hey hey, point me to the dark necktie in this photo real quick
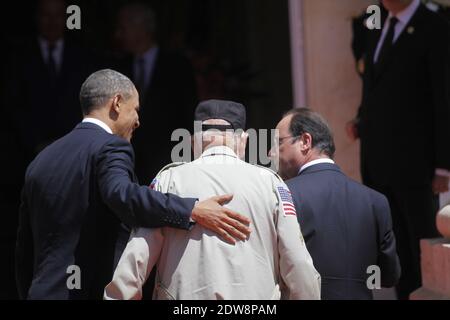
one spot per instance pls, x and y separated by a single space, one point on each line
387 43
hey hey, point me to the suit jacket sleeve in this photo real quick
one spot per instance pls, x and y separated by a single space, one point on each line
296 265
24 251
136 205
439 73
388 260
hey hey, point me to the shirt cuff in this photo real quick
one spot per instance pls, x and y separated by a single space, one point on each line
192 221
442 172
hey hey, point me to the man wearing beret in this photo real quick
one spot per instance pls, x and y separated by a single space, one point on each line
81 197
272 264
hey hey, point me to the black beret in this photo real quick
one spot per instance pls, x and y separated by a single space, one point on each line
230 111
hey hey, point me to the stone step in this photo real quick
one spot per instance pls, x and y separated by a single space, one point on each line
435 264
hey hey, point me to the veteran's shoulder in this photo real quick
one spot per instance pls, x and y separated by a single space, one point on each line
269 172
170 166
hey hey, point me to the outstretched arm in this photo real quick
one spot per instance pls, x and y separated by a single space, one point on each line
140 206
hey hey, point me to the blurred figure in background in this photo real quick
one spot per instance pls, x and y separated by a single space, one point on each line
45 77
360 35
403 124
165 82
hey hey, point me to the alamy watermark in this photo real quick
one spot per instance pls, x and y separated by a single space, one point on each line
74 20
260 142
374 280
373 21
74 279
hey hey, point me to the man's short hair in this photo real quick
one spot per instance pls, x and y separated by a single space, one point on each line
305 120
101 86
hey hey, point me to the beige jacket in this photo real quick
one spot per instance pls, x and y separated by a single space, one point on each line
196 264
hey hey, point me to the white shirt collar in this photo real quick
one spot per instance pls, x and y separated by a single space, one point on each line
219 150
406 14
317 161
100 123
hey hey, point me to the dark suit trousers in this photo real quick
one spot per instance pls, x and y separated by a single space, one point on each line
413 210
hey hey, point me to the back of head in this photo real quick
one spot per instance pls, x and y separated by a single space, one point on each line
305 120
101 86
222 124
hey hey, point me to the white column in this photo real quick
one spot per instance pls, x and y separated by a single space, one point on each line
297 53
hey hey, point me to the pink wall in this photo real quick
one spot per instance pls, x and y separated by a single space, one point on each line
332 85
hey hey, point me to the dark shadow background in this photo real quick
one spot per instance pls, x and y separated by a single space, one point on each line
239 50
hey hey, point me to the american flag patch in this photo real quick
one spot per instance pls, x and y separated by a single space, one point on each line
286 200
153 184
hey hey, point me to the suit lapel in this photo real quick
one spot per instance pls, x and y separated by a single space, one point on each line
67 61
152 78
372 47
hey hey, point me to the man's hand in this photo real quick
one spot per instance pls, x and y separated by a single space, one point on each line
440 184
226 223
352 129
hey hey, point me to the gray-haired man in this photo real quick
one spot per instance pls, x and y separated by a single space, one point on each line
195 264
347 226
81 191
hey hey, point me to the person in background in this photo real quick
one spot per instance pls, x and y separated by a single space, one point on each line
44 80
165 81
402 124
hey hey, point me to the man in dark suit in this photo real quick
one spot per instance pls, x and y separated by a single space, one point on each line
166 84
45 75
81 197
346 226
359 38
403 124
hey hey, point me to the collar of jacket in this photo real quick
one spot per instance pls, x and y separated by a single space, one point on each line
320 167
219 151
89 125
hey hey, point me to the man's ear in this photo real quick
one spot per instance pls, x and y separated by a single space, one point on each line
116 103
305 141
